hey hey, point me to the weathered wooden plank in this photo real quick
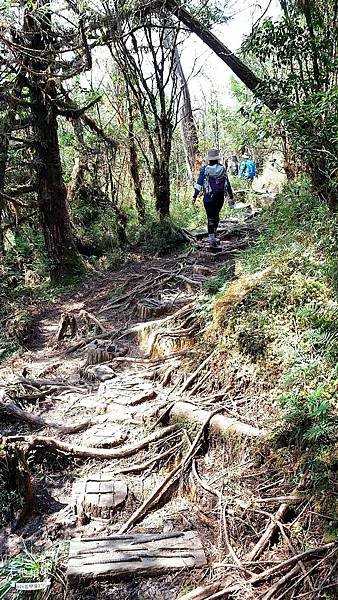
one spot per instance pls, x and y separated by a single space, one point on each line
117 556
139 541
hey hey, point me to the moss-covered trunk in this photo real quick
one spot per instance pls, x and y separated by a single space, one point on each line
65 262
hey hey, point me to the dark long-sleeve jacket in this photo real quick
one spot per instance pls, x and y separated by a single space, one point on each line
202 181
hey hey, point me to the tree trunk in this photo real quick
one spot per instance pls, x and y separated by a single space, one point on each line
134 169
243 72
64 259
52 194
161 179
188 127
77 179
289 159
6 127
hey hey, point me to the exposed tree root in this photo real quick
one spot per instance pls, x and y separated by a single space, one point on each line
154 497
137 468
14 411
91 318
56 445
289 575
281 566
268 533
38 383
175 474
150 284
193 376
140 327
88 340
263 576
203 592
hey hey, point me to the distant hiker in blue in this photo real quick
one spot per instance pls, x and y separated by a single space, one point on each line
247 169
214 180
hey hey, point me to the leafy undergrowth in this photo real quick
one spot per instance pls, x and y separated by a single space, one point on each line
276 329
18 575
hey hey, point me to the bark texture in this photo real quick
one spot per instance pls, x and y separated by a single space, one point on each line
187 123
51 190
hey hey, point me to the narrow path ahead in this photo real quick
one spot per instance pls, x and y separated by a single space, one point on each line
108 366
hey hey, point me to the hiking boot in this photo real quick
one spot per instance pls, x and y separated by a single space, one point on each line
212 241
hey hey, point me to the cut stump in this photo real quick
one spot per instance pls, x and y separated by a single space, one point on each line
150 308
121 556
98 495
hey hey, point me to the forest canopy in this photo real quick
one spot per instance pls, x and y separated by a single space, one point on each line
83 166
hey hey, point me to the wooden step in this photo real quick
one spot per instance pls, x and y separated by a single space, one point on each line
119 556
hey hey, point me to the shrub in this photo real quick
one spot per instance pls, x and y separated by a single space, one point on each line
30 568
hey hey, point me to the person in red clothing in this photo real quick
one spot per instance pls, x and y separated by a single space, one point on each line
214 180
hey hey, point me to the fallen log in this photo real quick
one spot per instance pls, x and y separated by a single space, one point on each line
54 444
219 424
126 556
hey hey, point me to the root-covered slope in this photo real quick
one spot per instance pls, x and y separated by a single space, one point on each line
189 394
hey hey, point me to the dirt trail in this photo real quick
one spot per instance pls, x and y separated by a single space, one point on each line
114 389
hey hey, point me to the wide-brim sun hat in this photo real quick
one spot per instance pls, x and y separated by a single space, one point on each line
213 154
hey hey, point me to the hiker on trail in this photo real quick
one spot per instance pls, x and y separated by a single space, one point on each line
248 169
234 165
214 180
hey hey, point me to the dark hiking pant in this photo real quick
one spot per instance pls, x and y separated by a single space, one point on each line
212 208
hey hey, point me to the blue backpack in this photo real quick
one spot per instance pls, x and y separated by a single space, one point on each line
250 169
